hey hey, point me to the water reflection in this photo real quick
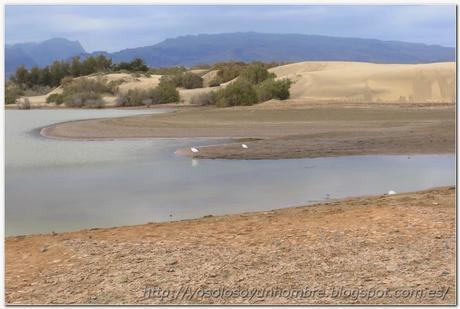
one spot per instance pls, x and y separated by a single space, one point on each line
67 185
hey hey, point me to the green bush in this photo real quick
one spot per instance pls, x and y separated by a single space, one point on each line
256 73
273 89
86 85
37 90
240 92
138 97
191 81
207 98
84 99
85 92
229 70
215 82
186 80
136 65
165 92
12 93
52 74
175 79
55 98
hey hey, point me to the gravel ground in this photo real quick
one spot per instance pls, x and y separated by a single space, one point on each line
403 245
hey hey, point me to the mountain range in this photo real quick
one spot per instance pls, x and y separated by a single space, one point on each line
41 53
242 46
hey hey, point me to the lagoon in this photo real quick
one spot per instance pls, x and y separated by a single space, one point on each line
63 185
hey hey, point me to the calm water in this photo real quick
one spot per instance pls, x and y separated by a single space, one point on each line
59 185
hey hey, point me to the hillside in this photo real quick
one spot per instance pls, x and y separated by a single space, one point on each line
370 82
40 53
250 46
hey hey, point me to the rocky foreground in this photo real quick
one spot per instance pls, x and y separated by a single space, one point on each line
397 249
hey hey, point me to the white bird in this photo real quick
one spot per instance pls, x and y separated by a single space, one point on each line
391 192
244 146
193 149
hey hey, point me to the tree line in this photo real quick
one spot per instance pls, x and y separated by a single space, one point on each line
52 74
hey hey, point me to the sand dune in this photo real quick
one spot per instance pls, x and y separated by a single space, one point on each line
331 81
208 77
343 81
370 82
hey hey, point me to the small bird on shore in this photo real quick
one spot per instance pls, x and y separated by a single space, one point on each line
391 192
193 149
244 146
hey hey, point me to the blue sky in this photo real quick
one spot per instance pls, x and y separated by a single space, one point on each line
115 27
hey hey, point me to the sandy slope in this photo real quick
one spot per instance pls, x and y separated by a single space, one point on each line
369 82
208 77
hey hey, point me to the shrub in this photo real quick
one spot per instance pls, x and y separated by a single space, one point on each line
24 103
12 93
55 98
240 92
37 90
191 81
136 65
273 89
207 98
256 73
175 79
137 97
94 103
52 74
85 92
165 92
229 70
214 82
114 84
187 80
84 99
83 84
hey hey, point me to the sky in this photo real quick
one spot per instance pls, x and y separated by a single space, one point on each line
115 27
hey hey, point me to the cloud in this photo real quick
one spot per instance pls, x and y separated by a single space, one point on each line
100 27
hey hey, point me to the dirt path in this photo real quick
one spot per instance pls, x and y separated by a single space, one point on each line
276 133
404 243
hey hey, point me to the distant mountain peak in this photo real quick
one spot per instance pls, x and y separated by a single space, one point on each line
189 50
196 49
40 53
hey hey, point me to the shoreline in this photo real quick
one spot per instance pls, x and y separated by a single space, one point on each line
406 234
282 133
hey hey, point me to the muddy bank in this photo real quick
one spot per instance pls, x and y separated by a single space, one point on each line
277 133
399 242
